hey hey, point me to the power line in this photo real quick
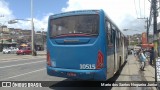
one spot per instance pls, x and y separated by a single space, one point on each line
135 8
140 7
144 8
150 15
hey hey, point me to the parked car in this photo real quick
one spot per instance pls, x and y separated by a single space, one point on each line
24 51
10 50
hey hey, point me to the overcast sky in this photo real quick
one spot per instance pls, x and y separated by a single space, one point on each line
124 13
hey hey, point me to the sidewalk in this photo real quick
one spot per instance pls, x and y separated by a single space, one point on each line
131 72
41 53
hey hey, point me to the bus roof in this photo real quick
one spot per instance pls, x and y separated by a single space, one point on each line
78 12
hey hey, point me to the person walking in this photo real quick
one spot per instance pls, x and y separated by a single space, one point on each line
142 58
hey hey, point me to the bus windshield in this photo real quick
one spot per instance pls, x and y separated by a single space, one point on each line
77 25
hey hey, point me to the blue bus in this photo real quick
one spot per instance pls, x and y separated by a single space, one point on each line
85 45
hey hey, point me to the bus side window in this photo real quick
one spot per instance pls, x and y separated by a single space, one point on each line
112 34
109 33
106 30
122 41
117 37
106 26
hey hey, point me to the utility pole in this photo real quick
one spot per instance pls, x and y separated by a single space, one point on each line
33 44
155 34
147 28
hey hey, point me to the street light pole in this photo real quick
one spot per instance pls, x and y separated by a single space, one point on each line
33 44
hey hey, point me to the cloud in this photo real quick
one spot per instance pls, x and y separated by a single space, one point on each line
38 23
122 12
8 15
5 12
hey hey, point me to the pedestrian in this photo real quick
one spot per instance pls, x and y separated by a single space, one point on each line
142 58
151 55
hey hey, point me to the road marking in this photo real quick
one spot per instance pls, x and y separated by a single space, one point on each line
24 74
22 57
21 64
5 60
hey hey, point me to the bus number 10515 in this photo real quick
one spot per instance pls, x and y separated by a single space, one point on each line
87 66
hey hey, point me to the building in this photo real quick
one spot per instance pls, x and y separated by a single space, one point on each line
15 37
40 40
4 29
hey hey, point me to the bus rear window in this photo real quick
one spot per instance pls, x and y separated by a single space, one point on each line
83 25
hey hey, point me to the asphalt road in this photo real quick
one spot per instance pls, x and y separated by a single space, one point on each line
27 68
24 70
